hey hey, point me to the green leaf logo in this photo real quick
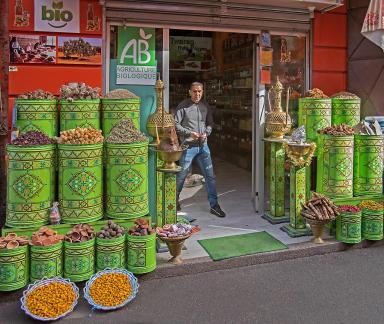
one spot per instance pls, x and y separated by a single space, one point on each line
57 5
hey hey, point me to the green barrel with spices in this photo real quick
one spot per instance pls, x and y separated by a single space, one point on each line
31 185
348 227
126 180
368 165
110 253
372 224
14 268
46 261
335 166
345 111
79 113
314 114
80 183
114 110
79 260
37 115
141 253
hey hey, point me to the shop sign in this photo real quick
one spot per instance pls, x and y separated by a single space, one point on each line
136 62
57 16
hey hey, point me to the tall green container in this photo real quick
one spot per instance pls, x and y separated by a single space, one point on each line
368 165
79 260
37 115
46 261
348 227
79 113
110 253
372 225
335 166
126 180
14 268
31 185
314 114
141 253
345 111
80 183
114 110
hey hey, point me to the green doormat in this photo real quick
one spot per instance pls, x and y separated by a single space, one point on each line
237 245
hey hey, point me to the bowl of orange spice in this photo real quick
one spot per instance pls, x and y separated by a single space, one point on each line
111 289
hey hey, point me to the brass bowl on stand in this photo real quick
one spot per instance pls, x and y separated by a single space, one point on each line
175 245
317 228
170 159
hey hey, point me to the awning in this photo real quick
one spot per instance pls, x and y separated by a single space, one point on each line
373 27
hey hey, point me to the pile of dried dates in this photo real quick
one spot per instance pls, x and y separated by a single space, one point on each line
111 231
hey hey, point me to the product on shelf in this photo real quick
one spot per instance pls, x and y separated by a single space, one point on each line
125 132
316 94
141 228
338 130
371 205
348 209
32 138
78 91
81 136
12 241
174 230
120 94
111 231
80 233
344 95
46 237
319 208
38 94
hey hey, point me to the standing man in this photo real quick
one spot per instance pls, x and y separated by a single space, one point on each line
193 119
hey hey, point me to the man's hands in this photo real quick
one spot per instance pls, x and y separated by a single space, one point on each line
196 136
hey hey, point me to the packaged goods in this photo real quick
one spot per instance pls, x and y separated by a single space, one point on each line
78 91
120 94
31 138
338 130
81 136
316 94
80 233
111 231
38 94
46 237
319 208
141 228
13 241
345 95
125 132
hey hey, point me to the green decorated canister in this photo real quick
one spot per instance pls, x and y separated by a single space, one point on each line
126 180
46 261
314 114
110 253
372 224
114 110
348 227
80 183
368 165
37 115
31 185
79 260
79 113
141 256
14 268
335 166
345 111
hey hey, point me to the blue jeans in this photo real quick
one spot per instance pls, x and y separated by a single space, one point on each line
203 158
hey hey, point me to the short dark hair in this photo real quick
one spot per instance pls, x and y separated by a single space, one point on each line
196 84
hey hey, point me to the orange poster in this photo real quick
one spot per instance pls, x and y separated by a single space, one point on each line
21 15
90 17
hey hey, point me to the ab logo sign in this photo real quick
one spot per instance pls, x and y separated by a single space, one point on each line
57 15
136 56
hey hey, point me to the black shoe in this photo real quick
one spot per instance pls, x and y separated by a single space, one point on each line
178 207
217 211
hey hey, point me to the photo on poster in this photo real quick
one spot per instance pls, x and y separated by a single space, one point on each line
32 49
79 50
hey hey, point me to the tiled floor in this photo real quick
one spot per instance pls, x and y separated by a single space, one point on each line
234 188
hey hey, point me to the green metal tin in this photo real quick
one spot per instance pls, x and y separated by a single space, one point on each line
277 180
368 165
335 166
314 114
46 261
79 113
37 115
126 180
141 253
345 111
31 185
110 253
348 227
372 225
80 183
79 260
14 268
114 110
